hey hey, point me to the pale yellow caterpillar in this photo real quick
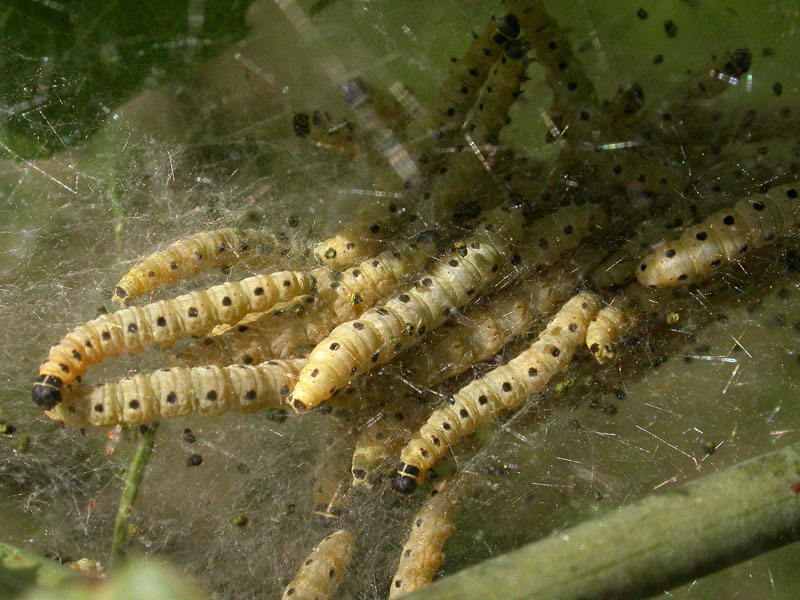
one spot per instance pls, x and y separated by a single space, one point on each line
331 481
604 330
382 332
460 90
192 255
340 297
323 569
178 392
432 527
385 434
726 236
452 349
136 328
504 388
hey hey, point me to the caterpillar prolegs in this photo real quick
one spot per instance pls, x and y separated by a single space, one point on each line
323 569
504 388
178 392
726 236
134 329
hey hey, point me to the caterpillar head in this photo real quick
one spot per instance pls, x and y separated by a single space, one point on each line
46 392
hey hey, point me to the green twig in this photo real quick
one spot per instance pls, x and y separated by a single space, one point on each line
21 571
129 492
653 545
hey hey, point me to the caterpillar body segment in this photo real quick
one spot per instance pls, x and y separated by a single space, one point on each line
433 525
323 569
460 90
604 330
504 388
726 236
136 328
381 333
178 392
340 297
192 255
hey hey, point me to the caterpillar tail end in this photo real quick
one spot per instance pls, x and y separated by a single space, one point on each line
405 482
46 392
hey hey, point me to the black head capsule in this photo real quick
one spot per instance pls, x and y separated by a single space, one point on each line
403 484
301 125
509 26
516 49
46 391
120 292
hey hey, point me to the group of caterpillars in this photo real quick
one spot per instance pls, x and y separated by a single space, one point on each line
462 297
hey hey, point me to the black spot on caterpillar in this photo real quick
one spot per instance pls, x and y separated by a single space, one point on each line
432 526
467 76
727 235
134 329
178 392
322 570
504 388
192 255
340 297
382 332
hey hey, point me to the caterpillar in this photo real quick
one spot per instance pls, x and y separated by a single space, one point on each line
331 481
178 392
381 333
323 569
727 235
484 330
604 330
460 90
574 96
192 255
453 181
504 388
432 527
134 329
385 434
340 297
323 131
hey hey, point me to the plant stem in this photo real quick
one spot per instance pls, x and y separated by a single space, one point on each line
650 546
129 492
